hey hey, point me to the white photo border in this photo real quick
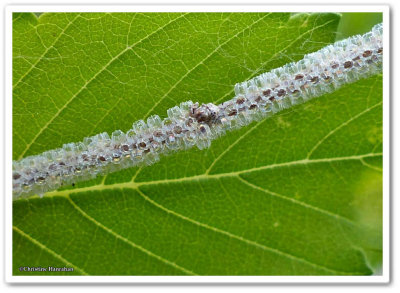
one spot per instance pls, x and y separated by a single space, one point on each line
384 278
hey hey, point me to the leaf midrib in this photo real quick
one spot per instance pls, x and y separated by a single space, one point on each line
206 226
235 174
134 185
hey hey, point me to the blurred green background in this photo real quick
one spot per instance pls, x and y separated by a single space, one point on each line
353 23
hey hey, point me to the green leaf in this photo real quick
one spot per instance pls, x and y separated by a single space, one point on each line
297 194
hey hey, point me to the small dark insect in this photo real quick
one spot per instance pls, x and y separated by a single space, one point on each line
142 144
73 184
200 115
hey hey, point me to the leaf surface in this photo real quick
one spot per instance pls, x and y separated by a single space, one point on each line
297 194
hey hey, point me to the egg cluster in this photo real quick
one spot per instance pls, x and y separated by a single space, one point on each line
191 124
101 154
318 73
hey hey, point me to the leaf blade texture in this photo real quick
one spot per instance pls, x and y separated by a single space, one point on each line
296 194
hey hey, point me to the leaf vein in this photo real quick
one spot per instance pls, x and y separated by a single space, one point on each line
48 250
135 185
89 81
127 241
240 238
270 59
298 202
258 123
343 124
202 62
46 51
